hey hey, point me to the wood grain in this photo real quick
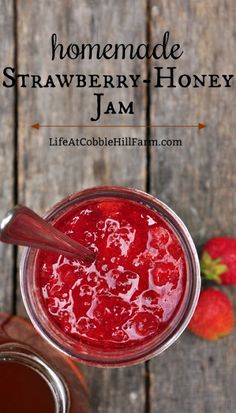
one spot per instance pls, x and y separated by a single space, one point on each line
194 375
198 181
48 174
7 123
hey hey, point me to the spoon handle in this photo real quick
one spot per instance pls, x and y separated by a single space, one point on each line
22 226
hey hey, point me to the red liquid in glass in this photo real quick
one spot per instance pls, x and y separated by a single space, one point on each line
23 390
131 292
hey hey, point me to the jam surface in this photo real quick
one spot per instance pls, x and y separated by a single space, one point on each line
134 288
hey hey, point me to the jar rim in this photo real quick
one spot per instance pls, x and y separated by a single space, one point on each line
97 357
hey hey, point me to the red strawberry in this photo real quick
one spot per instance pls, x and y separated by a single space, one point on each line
218 261
213 317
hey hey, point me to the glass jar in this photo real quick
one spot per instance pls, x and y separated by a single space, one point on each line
98 356
31 370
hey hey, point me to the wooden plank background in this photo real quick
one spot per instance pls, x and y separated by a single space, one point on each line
48 174
198 180
7 151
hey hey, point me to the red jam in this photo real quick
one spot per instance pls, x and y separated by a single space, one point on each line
131 292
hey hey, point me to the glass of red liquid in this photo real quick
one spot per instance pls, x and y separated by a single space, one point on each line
34 377
137 297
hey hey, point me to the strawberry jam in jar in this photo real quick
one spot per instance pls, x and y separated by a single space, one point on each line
135 299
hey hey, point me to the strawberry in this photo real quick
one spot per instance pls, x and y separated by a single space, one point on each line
213 317
218 261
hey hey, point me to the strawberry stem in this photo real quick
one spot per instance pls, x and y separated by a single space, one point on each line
211 268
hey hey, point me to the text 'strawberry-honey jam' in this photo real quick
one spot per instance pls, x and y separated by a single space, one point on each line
136 289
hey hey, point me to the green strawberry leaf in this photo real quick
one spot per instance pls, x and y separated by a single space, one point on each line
211 268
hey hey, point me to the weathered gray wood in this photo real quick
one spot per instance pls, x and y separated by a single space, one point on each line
48 174
117 390
6 150
194 376
198 181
